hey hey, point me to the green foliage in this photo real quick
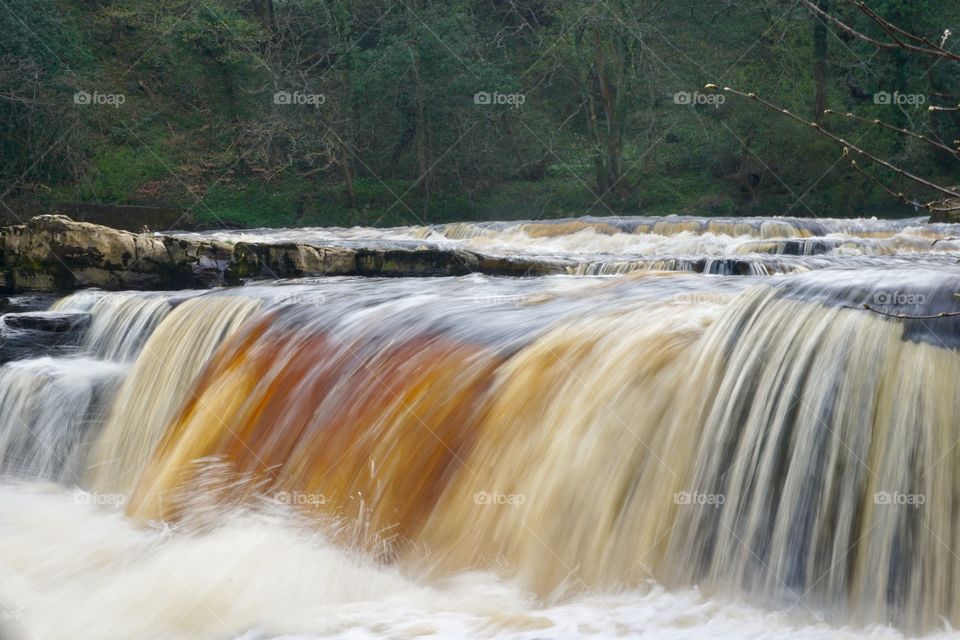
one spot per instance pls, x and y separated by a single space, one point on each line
399 137
115 173
40 49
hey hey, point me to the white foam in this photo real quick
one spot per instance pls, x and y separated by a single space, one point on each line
74 570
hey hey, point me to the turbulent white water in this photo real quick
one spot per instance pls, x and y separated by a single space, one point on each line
49 407
597 246
152 463
74 569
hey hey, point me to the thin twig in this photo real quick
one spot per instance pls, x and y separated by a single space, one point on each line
927 48
898 195
906 132
846 143
905 316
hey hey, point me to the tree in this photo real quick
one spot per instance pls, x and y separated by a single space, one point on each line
895 39
41 136
600 52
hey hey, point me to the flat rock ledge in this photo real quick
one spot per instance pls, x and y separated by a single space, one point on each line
54 253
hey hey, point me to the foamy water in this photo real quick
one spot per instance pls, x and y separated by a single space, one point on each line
501 457
636 237
73 569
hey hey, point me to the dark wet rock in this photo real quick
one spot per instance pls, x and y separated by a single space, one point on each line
447 262
194 263
41 333
53 253
416 262
793 246
803 247
28 302
288 260
520 266
292 260
50 321
725 267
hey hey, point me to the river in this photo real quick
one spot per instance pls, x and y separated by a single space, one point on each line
706 428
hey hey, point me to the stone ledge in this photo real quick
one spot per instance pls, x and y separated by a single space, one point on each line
55 253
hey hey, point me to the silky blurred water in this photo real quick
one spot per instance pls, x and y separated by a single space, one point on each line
784 380
75 568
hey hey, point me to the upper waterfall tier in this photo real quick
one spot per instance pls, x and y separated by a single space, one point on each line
602 246
54 253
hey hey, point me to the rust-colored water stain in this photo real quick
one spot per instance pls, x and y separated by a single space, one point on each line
369 436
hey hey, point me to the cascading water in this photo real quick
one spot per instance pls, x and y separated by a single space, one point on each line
121 323
48 408
526 457
158 383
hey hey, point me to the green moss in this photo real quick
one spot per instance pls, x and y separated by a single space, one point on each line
116 173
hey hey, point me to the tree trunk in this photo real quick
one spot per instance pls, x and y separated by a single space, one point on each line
820 64
613 149
423 151
597 153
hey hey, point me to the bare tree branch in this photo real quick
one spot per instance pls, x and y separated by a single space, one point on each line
852 116
897 34
950 193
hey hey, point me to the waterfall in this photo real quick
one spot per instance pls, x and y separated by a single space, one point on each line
158 382
790 440
51 409
743 443
54 408
121 322
831 435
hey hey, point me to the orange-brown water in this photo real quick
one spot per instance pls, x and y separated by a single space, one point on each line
759 437
677 438
305 416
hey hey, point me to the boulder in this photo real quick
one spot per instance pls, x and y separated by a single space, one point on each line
48 321
416 262
55 253
288 260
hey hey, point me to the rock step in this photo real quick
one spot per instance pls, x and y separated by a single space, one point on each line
54 253
40 333
47 321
